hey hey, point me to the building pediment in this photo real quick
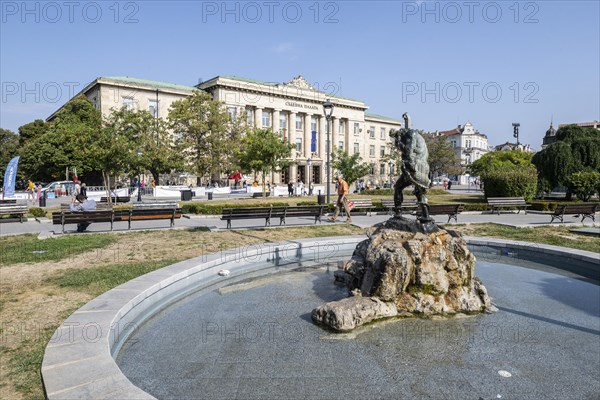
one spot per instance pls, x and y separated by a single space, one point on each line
301 83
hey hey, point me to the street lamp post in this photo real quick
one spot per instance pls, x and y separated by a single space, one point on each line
308 167
516 126
139 196
328 110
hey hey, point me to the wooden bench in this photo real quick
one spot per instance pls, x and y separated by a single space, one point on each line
151 211
230 214
8 201
585 210
281 212
452 210
117 199
260 194
104 213
496 203
407 205
11 208
362 204
297 211
66 217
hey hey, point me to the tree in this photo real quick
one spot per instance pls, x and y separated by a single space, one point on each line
9 143
63 142
499 159
262 150
584 184
577 149
207 131
112 148
149 136
351 167
32 130
442 157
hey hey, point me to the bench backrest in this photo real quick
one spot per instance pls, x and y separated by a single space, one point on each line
301 211
90 216
443 208
164 205
118 199
506 200
14 208
362 203
247 212
8 201
577 208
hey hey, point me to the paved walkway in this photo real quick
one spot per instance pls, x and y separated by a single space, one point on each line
45 227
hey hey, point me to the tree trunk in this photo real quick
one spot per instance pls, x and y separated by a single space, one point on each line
155 176
106 179
263 184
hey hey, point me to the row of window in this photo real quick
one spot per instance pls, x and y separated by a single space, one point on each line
129 104
477 143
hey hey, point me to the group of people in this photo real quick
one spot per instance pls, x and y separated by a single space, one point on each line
300 189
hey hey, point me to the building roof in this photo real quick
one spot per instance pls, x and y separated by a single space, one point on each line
383 118
594 124
145 82
272 84
455 131
551 131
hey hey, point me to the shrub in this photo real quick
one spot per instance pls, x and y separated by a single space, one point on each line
37 212
511 182
584 184
538 205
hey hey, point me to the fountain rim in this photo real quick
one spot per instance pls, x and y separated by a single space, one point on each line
79 361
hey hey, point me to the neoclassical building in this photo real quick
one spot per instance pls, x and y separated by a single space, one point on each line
294 108
469 145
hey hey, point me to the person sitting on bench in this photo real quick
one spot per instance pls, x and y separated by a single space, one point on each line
81 203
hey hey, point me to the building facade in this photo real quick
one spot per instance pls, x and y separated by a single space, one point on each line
469 145
294 109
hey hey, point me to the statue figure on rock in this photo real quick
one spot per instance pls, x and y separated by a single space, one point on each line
414 167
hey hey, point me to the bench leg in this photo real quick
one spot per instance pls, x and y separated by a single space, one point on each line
228 224
281 220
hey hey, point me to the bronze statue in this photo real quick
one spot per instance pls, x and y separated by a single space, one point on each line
414 167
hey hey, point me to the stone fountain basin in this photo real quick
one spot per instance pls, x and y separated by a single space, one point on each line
557 332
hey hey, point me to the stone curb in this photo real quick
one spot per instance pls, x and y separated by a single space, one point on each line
79 361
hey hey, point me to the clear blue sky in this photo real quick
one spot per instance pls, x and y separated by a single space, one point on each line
443 62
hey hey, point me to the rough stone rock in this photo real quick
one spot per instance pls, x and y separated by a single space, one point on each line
421 270
347 314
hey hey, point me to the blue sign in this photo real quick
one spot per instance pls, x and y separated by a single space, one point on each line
9 178
313 142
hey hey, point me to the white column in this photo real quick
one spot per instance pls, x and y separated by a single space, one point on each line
307 135
349 133
276 126
322 138
258 117
292 139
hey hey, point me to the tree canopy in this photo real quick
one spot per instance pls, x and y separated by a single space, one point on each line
351 167
62 143
208 131
262 150
442 160
577 149
9 143
499 159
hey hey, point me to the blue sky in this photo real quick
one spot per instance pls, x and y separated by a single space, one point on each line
446 63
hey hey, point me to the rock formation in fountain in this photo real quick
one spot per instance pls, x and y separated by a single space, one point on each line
406 268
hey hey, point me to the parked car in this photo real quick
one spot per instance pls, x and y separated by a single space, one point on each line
67 187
